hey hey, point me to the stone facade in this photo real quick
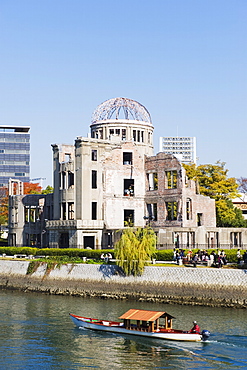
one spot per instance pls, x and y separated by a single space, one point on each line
183 285
174 196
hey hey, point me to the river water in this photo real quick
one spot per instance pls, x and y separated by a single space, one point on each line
37 333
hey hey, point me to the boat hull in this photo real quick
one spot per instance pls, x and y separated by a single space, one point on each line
114 327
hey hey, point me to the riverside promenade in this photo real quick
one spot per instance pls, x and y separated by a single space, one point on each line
179 284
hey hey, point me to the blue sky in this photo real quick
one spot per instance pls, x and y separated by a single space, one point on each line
184 60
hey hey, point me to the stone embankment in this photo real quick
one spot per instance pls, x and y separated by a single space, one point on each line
183 285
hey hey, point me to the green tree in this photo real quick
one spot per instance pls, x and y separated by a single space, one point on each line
134 249
214 182
48 190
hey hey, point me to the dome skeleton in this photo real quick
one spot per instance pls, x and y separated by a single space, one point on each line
110 109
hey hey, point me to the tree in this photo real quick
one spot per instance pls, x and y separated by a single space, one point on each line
32 188
3 205
242 181
48 190
134 249
213 182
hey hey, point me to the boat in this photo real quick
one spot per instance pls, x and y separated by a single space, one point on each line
152 324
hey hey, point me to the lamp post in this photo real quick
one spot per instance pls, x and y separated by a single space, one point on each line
149 218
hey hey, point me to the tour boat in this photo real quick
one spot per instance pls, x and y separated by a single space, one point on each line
152 324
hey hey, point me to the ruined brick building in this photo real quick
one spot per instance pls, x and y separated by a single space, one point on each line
112 180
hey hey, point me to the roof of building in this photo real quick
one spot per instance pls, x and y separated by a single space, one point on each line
14 128
144 315
116 108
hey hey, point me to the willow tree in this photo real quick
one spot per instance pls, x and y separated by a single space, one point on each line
134 249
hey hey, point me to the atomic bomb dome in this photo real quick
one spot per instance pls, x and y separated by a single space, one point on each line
118 108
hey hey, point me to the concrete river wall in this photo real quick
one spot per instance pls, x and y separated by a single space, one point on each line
183 285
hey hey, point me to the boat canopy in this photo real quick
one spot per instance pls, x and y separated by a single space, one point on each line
145 315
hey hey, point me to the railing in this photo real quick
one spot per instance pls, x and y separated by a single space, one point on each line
159 246
201 246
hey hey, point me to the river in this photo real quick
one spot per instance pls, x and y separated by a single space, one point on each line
37 333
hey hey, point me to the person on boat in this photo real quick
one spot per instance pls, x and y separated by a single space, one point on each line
196 328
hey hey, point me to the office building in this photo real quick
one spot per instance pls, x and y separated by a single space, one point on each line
184 148
14 154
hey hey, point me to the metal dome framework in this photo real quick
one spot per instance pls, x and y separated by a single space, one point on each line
112 108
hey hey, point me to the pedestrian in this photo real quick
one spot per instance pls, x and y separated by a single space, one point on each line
195 259
174 255
106 258
245 257
220 262
189 255
239 256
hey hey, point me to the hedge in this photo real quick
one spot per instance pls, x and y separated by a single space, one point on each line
160 255
70 252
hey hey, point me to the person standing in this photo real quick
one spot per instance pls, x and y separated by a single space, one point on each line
245 257
239 256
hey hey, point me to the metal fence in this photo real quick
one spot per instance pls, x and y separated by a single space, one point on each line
159 246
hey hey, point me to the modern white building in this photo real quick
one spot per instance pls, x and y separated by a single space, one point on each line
184 148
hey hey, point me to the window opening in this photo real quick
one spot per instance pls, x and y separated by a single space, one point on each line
171 208
129 187
171 177
63 180
63 211
94 155
134 135
71 210
94 179
127 158
94 210
89 242
70 178
199 219
188 209
138 136
128 217
152 211
153 181
67 157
